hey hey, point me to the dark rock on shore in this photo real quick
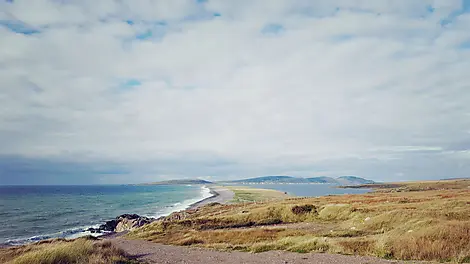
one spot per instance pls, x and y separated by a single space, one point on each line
94 230
122 223
109 225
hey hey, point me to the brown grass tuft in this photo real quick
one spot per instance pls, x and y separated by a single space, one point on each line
304 209
59 251
357 246
448 242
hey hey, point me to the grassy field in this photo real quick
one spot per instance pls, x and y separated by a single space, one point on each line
408 221
82 250
247 194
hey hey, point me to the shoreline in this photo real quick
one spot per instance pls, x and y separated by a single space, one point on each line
220 194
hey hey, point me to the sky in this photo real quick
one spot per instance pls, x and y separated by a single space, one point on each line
136 91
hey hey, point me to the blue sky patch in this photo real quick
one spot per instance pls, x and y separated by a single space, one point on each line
466 6
272 29
128 85
200 17
153 29
430 9
145 35
465 45
19 27
132 82
465 9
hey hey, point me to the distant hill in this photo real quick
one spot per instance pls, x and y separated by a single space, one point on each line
178 182
272 179
322 180
353 180
343 180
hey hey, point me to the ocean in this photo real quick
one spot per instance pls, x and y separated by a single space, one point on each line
33 213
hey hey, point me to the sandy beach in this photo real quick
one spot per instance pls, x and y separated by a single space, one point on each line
220 194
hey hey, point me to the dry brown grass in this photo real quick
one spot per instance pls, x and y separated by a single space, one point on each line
60 251
247 194
459 184
449 241
429 223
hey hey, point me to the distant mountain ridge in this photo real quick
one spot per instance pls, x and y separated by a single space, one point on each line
343 180
179 182
353 180
276 179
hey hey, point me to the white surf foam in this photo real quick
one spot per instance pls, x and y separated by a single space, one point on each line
68 234
82 230
180 206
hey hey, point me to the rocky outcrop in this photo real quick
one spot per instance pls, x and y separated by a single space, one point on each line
129 223
122 223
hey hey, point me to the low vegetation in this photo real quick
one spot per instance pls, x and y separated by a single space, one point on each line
58 251
419 221
246 194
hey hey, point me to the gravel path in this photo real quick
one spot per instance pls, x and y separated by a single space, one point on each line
156 253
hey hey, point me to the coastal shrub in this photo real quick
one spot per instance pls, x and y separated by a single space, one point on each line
382 248
335 212
397 220
58 254
304 209
282 212
303 244
357 246
81 250
189 241
449 242
262 247
345 233
269 221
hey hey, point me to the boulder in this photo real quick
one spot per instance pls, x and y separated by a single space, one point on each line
109 225
123 223
93 230
130 223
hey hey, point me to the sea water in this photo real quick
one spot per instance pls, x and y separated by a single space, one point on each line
33 213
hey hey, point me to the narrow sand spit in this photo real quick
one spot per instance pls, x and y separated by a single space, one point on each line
220 195
149 252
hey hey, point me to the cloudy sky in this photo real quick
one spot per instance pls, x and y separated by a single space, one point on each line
132 91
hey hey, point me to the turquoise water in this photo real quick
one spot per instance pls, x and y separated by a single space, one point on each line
33 213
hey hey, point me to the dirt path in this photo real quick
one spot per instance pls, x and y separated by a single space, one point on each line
156 253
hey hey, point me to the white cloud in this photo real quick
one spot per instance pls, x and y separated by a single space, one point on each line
356 87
